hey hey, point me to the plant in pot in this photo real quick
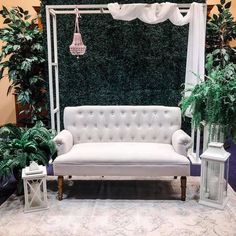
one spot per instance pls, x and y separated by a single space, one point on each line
212 102
220 31
22 61
20 146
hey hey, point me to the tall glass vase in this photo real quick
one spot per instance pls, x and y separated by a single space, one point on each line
215 133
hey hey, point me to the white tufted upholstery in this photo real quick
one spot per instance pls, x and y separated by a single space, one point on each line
154 124
122 140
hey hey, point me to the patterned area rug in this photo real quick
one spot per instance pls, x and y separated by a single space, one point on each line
120 208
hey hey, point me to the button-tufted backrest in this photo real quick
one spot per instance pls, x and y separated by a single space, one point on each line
122 123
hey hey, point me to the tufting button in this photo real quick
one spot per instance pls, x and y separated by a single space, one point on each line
133 112
154 138
89 138
112 112
144 112
121 138
101 112
85 125
95 125
91 113
143 137
149 125
128 125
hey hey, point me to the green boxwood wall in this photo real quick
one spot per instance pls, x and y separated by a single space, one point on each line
127 63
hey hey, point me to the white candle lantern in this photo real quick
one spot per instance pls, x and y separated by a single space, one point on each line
35 188
214 176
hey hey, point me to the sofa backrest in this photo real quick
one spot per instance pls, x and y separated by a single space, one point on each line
122 123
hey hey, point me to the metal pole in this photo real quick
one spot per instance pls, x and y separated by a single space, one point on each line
101 11
49 44
198 144
193 137
99 6
57 109
82 12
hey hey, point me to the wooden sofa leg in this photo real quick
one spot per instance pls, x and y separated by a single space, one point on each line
60 187
183 187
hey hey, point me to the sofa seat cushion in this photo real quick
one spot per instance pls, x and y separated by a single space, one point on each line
121 153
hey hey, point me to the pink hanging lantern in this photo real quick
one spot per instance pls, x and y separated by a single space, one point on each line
77 48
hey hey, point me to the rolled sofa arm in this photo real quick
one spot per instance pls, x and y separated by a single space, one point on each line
64 142
181 142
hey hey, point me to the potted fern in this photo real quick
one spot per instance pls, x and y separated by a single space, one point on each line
20 146
212 102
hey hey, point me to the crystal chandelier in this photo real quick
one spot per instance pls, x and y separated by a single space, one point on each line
77 48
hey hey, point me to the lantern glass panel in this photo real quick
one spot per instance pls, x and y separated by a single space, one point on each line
226 176
35 193
212 181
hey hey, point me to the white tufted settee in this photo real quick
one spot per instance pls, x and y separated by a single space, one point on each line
122 141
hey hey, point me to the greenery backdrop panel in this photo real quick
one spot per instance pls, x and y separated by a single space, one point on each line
126 63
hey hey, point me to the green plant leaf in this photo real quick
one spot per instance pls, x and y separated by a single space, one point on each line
16 47
5 11
215 17
37 46
227 5
27 17
21 10
28 37
1 72
6 21
26 65
222 2
219 7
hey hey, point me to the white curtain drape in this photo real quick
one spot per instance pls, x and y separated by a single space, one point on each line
156 13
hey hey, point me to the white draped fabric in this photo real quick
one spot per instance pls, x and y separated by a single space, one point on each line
156 13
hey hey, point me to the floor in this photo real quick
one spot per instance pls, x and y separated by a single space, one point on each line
9 188
120 208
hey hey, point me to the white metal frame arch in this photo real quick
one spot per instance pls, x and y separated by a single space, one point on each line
51 14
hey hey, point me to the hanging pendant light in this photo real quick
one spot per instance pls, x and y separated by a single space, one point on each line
77 48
